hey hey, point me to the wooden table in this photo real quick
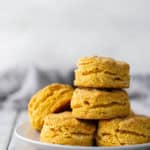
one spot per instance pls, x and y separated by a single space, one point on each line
9 120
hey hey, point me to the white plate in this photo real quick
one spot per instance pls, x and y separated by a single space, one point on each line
30 138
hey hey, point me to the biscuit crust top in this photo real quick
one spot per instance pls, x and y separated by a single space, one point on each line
134 129
53 98
66 120
99 61
102 72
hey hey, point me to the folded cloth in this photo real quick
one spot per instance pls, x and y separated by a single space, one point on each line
19 84
139 94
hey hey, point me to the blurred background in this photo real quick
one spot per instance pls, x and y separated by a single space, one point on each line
41 41
55 33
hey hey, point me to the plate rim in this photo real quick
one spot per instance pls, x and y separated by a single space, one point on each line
31 141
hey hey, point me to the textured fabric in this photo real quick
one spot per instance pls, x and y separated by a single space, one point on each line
139 93
17 85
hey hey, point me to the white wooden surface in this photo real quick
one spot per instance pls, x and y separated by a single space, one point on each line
21 117
8 122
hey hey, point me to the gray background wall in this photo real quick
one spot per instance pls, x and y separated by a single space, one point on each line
55 33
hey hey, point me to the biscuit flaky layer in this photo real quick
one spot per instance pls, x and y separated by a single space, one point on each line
53 98
134 129
87 103
63 128
102 72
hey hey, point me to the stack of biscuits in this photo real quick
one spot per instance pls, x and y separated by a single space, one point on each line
100 108
99 94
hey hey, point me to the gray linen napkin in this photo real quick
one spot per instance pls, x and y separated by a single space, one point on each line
19 84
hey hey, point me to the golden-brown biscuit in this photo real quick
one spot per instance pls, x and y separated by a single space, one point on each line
63 128
134 129
53 98
102 72
87 103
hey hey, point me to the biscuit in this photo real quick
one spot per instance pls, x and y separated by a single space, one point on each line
102 72
134 129
87 103
53 98
63 128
